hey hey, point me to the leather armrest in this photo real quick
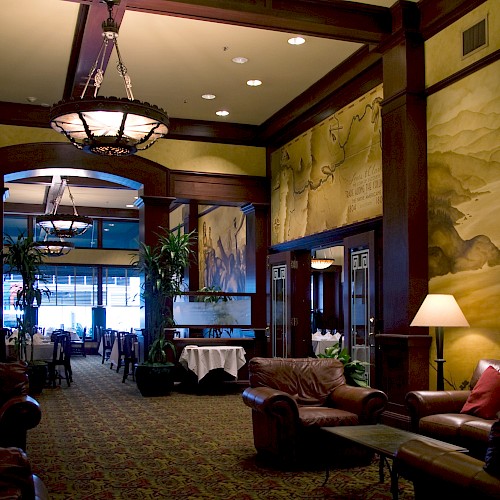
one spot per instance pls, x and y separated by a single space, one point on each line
265 399
15 474
430 464
423 403
21 411
365 402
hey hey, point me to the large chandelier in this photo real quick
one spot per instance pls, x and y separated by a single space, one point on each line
109 126
63 225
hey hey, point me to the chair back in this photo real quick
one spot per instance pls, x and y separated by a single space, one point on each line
308 380
482 364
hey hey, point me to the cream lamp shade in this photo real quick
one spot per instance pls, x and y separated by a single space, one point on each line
439 310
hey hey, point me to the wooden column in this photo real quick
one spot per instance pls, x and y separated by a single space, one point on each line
405 262
258 237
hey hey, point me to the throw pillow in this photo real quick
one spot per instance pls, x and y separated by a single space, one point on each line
484 400
492 459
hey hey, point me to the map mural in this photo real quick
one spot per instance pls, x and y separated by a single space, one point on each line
463 127
222 247
330 176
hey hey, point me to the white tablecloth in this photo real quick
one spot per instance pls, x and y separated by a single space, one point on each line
42 352
319 346
203 359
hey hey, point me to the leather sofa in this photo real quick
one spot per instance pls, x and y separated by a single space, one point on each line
438 474
436 414
16 478
18 411
292 398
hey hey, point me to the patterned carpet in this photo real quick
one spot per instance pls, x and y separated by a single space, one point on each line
100 439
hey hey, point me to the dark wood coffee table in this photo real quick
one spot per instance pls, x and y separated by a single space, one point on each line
385 441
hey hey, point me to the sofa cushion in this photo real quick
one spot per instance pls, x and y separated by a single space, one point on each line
444 426
484 399
326 417
492 459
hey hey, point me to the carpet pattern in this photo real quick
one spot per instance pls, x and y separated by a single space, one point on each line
100 439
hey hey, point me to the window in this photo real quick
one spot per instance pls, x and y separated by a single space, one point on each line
120 234
14 225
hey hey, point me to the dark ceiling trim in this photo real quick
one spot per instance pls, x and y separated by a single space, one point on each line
96 212
340 20
86 44
438 14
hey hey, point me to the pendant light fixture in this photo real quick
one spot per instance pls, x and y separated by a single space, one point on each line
109 126
321 264
54 248
63 225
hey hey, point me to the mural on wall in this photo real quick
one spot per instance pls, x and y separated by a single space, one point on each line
222 249
330 176
463 126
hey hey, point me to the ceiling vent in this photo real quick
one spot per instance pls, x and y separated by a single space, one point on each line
474 38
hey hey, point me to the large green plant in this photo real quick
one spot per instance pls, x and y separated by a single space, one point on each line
24 258
163 266
354 371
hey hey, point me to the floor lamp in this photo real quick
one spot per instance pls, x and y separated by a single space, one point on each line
439 310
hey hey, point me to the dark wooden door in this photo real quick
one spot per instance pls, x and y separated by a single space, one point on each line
290 308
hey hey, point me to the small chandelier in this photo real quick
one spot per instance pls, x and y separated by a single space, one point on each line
63 225
54 248
109 126
321 264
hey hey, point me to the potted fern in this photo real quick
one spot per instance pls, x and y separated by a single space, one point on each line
163 266
24 258
354 371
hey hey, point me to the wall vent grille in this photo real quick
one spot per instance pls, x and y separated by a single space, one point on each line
474 38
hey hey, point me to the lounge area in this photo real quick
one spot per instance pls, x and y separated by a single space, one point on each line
250 249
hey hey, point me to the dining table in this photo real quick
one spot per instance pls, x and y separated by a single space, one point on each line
41 352
202 359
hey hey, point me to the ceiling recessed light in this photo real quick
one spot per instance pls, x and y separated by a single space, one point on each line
296 40
254 83
222 112
239 60
208 96
129 206
31 99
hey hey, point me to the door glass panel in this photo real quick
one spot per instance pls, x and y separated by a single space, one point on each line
360 308
279 323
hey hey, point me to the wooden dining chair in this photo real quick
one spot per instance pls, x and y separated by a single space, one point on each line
108 338
78 346
130 355
61 357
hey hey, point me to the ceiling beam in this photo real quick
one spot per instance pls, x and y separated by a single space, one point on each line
349 21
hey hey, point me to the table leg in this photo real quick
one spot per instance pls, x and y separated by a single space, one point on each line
327 475
394 483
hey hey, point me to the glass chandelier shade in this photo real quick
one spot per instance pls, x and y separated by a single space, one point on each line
321 264
54 248
109 126
64 225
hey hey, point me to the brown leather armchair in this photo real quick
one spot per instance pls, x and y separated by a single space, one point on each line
292 398
18 411
437 473
16 477
436 414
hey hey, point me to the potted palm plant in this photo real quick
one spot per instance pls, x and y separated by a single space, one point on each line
163 266
24 258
